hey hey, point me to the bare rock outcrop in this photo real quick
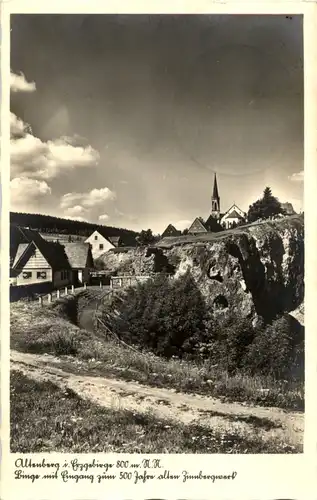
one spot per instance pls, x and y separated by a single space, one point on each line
256 269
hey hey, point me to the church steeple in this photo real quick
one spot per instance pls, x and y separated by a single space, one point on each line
215 200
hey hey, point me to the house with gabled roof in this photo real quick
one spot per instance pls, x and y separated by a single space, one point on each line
40 262
34 260
198 226
21 235
100 242
81 261
233 217
170 231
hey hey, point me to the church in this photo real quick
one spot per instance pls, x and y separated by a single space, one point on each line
217 221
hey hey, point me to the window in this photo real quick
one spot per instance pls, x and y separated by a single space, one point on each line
26 275
41 275
101 246
96 237
64 275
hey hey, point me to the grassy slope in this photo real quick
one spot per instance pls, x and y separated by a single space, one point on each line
45 418
35 329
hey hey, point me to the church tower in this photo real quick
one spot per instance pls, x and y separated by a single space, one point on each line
215 200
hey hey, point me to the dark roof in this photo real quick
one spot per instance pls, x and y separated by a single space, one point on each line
234 215
170 231
78 254
212 224
115 240
21 235
215 193
126 239
54 254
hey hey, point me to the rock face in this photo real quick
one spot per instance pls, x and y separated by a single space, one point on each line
256 269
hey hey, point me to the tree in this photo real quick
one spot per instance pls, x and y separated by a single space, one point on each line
265 207
146 237
185 232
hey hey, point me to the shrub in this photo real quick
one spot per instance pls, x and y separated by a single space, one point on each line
63 343
278 349
229 338
166 316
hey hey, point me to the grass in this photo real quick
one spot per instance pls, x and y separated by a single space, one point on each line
39 330
49 329
109 359
45 418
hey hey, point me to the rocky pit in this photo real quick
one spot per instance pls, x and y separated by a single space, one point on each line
257 269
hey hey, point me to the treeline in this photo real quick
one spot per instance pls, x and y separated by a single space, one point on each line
51 224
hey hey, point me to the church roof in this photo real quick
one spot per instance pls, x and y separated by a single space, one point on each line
212 224
215 193
234 215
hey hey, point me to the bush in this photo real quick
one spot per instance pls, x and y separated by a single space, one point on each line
170 318
229 338
166 316
64 343
278 349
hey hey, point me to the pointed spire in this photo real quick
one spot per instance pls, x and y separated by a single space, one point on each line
215 194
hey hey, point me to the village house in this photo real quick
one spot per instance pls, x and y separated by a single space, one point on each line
170 231
211 225
233 217
81 261
41 262
101 243
33 260
20 235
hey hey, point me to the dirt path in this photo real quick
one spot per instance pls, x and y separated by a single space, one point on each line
269 423
86 317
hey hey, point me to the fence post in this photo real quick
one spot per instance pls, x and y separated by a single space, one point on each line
41 301
111 282
57 294
85 286
65 290
100 284
49 298
72 288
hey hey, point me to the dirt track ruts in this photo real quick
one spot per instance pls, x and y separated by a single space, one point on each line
166 403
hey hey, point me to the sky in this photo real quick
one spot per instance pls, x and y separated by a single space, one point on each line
123 119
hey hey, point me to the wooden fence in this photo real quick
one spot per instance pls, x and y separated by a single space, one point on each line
125 281
56 294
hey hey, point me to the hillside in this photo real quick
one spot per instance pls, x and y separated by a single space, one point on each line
51 224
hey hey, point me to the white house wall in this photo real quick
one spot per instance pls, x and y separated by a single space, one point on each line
95 244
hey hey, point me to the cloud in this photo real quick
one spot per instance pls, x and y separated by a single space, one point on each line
75 211
18 83
18 127
297 177
26 191
87 200
79 219
30 157
103 217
